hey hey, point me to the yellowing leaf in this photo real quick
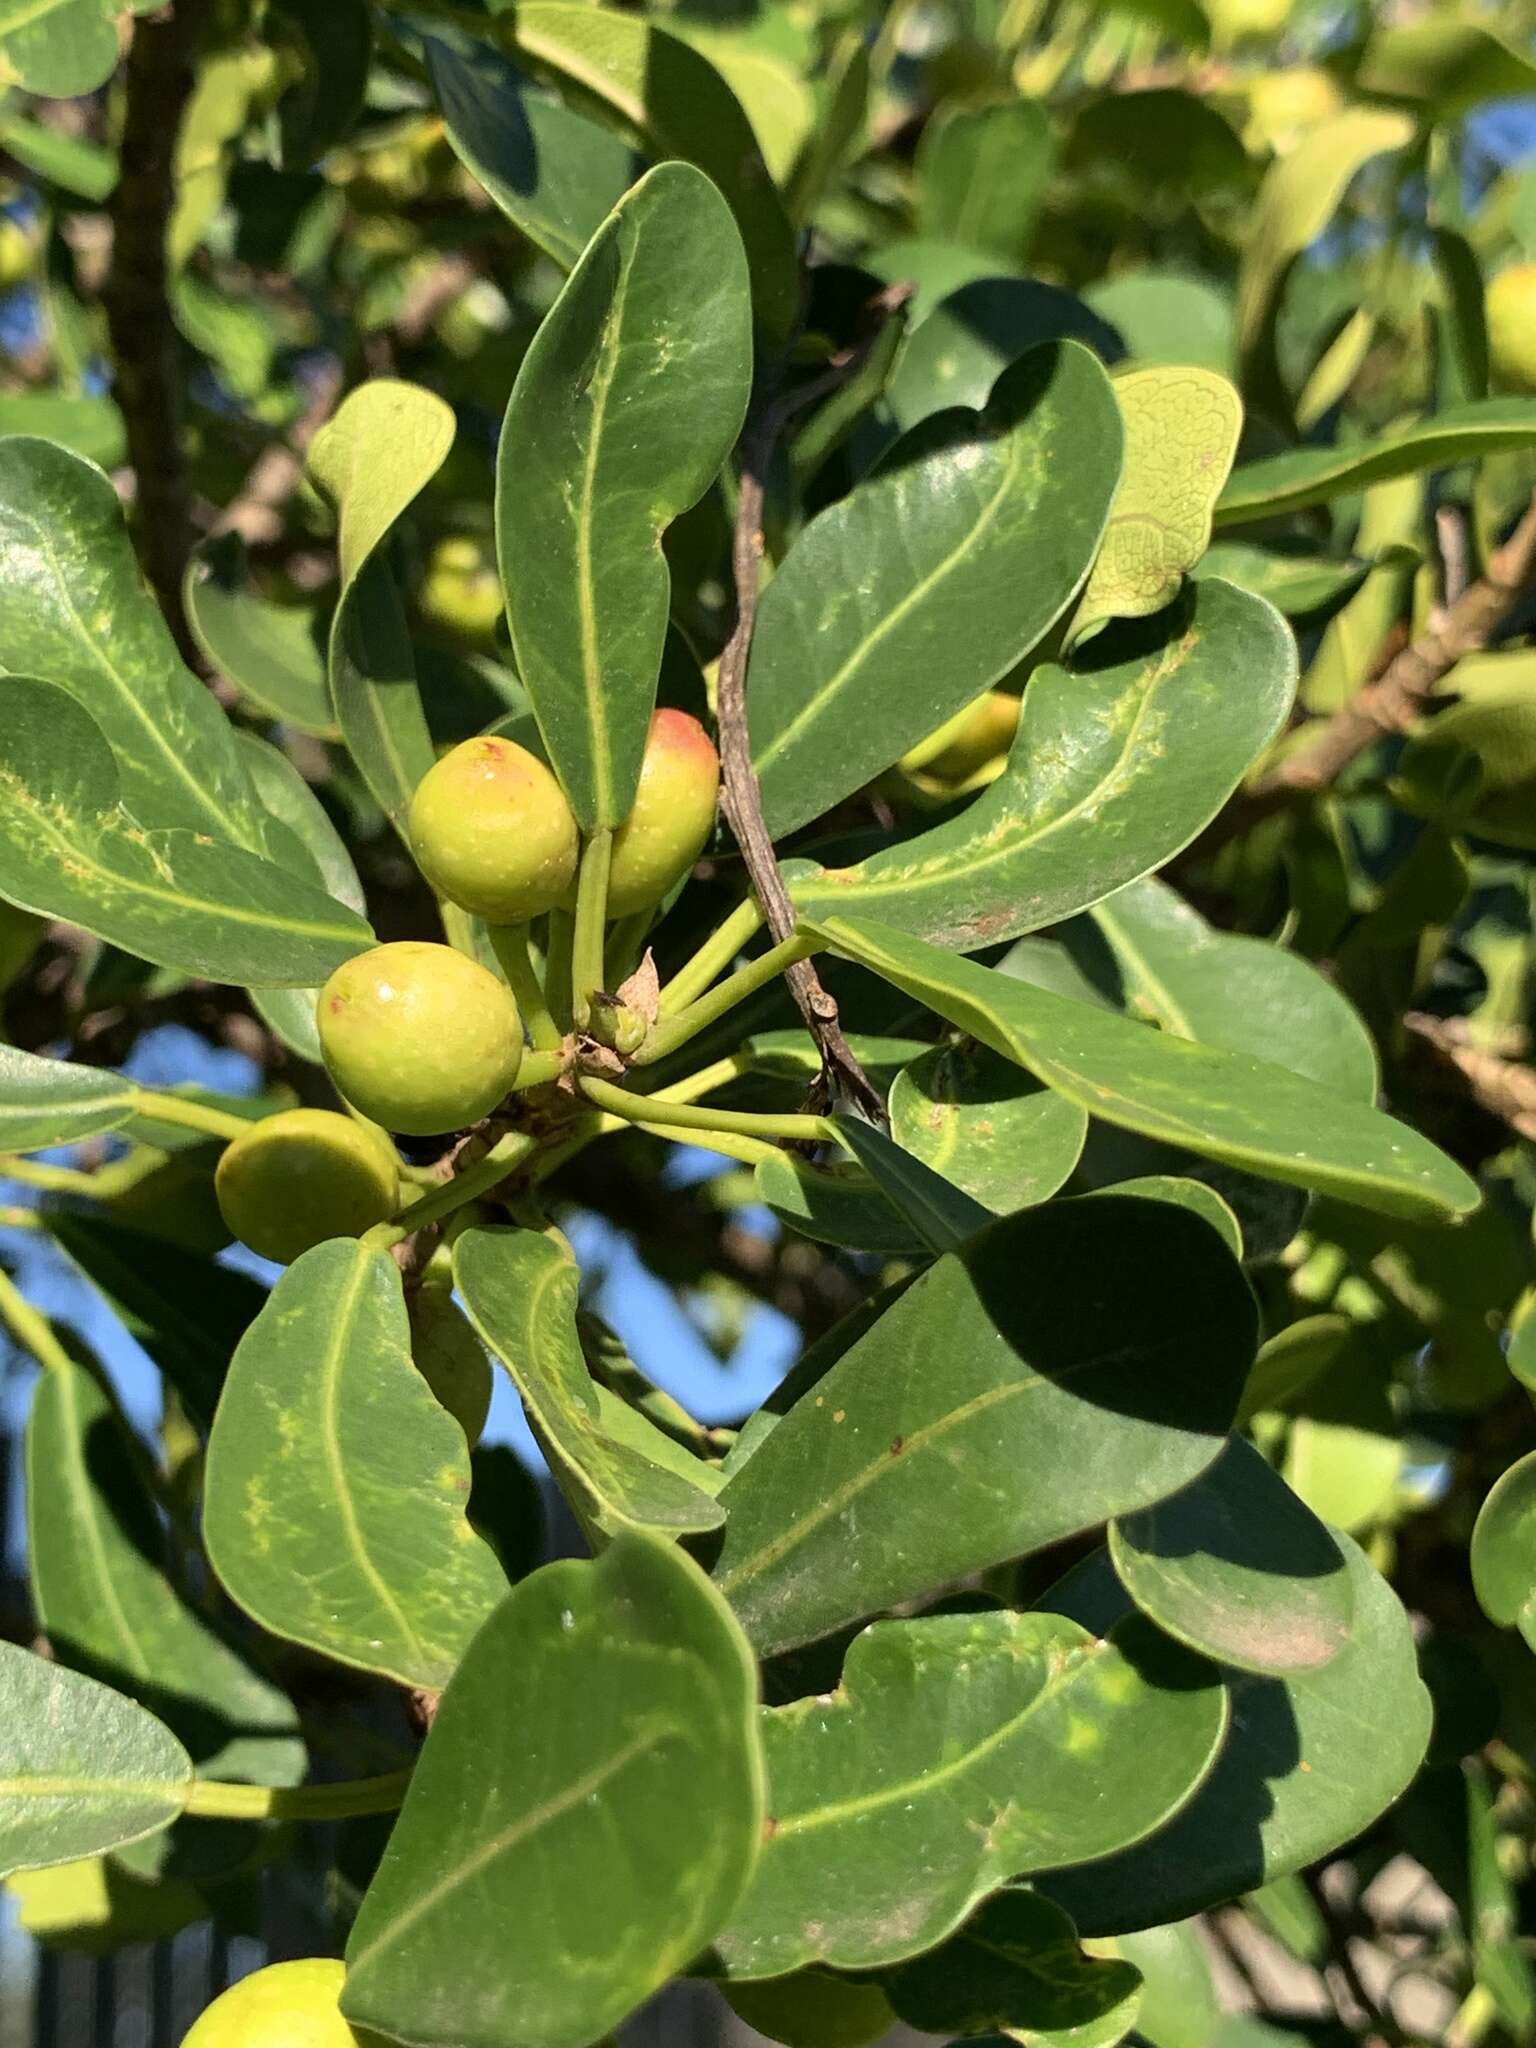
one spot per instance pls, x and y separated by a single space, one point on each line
1181 429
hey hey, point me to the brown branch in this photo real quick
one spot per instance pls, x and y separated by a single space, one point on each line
158 80
1504 1088
1391 704
842 1077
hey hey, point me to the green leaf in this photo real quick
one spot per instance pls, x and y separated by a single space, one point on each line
660 89
82 1770
89 424
1016 1964
74 163
1223 1105
554 174
372 460
1311 476
74 611
1194 1195
105 1603
848 672
61 48
837 1204
1445 68
69 849
327 46
186 1311
54 1102
1181 429
812 2009
943 1215
977 1420
520 1289
1504 1550
987 1126
1498 732
981 174
1300 194
1166 316
268 651
959 351
1294 584
1119 761
602 1727
336 1485
322 856
1244 995
960 1750
1237 1567
1312 1760
626 405
1180 2007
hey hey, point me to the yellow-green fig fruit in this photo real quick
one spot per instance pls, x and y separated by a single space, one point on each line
491 829
18 254
420 1038
286 2005
297 1178
461 590
1511 313
673 814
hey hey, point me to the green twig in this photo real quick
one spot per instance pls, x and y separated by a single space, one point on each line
713 957
212 1799
167 1108
724 997
591 923
30 1327
682 1116
509 942
557 967
503 1158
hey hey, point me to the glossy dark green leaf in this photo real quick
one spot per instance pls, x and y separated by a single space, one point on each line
943 1214
328 45
981 174
176 897
1504 1550
1311 476
1180 2005
837 1204
1245 995
1016 1964
336 1486
1119 761
1194 1195
186 1311
978 1420
585 1815
269 651
554 174
384 445
520 1291
655 85
959 1750
53 1102
320 854
986 1125
74 612
82 1770
812 2009
1223 1105
1167 316
103 1598
1236 1566
1294 583
849 668
1312 1759
60 48
624 409
958 351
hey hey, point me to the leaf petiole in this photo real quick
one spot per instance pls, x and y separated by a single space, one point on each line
212 1799
713 957
682 1116
30 1327
724 997
509 942
504 1156
591 922
168 1108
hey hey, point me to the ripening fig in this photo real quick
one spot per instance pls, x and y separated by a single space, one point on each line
1511 314
461 590
419 1038
673 814
491 829
297 1178
286 2005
